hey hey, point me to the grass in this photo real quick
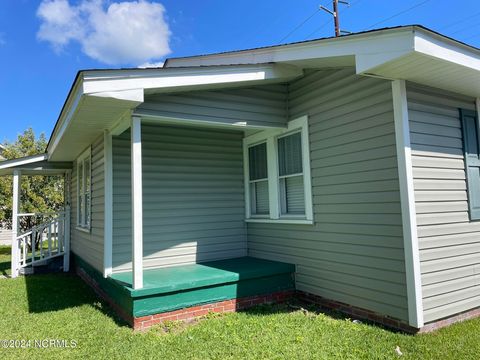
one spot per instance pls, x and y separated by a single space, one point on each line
61 306
4 261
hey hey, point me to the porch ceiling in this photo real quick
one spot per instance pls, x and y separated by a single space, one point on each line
104 99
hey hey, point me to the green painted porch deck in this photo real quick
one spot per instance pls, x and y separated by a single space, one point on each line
173 288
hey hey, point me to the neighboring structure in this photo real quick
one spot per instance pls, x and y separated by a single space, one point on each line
352 162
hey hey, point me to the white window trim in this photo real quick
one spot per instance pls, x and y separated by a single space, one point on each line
87 154
270 137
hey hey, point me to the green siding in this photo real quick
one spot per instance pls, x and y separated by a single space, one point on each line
354 251
261 105
89 245
448 241
193 196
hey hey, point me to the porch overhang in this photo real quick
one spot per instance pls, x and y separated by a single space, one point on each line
105 99
34 165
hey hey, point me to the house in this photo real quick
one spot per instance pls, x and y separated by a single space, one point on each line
342 170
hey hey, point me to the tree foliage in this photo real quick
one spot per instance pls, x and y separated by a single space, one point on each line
39 194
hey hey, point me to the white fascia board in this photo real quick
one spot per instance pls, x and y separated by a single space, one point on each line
123 80
22 161
132 95
65 117
445 49
387 41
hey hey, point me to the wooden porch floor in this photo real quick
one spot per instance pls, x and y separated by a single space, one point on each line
180 287
188 277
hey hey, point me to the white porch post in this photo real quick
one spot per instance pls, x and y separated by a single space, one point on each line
15 209
66 236
108 203
137 203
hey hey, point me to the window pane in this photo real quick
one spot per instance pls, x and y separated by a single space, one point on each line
80 210
87 209
293 195
257 161
87 175
80 178
290 154
259 197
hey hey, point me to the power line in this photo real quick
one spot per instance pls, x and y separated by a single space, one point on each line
465 28
299 25
458 21
398 14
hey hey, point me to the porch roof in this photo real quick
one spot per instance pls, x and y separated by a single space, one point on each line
34 165
105 99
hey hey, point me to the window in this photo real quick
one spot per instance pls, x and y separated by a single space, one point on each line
290 171
471 149
84 190
277 175
258 179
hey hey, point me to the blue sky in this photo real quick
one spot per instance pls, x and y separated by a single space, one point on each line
42 49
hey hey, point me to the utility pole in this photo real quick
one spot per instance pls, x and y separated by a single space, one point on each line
335 18
335 14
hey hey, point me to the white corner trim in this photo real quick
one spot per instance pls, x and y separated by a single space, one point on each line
108 204
477 105
407 198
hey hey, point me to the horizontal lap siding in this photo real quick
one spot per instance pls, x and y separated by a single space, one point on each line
263 105
193 201
449 242
89 245
354 252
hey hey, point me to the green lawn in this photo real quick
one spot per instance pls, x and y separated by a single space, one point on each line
61 307
4 261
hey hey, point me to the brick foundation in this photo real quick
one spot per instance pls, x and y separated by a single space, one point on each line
226 306
98 290
233 305
467 315
384 320
356 312
143 323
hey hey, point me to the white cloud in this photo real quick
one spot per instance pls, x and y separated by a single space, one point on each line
151 65
128 32
2 39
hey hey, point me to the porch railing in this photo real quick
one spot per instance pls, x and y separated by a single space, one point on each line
45 241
